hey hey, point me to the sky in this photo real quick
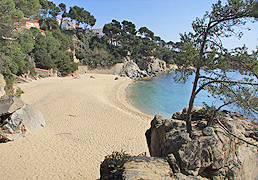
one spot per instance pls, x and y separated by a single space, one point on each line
166 18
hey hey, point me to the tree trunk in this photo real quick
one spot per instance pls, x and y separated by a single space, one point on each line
191 102
61 23
195 84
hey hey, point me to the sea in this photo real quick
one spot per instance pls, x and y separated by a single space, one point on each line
161 95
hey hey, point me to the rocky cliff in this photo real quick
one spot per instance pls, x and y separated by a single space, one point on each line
130 69
153 66
147 67
225 150
215 152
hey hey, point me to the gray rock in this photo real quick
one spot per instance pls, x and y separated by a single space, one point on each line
208 131
156 137
30 118
173 163
196 113
10 105
147 67
147 168
131 70
18 117
210 153
178 115
180 176
201 124
153 66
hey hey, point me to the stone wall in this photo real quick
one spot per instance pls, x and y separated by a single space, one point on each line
116 69
45 73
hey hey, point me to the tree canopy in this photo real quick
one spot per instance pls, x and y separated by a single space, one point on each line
203 49
28 7
81 16
8 14
57 47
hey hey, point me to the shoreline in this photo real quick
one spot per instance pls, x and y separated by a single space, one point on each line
86 119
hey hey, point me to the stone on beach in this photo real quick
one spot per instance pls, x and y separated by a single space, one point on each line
18 117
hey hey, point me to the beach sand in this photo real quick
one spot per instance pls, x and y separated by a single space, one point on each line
86 119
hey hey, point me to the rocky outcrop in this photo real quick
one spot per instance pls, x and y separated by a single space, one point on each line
147 168
153 66
147 67
2 85
130 69
18 118
212 152
153 168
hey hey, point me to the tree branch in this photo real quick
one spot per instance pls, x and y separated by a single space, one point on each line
228 81
235 135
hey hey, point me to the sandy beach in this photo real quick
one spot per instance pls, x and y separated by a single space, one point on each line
87 118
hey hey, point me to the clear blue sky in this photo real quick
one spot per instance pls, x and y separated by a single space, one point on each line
166 18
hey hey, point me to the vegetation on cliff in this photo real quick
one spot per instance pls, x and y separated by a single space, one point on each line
24 49
56 48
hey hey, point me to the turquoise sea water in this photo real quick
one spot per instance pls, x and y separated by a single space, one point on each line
161 95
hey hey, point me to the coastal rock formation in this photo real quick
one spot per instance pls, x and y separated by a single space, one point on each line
212 152
147 168
153 66
18 118
131 70
147 67
2 85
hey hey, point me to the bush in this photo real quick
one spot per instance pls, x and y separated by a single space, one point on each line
112 166
19 92
100 57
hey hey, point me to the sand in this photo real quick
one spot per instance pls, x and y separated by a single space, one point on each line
86 119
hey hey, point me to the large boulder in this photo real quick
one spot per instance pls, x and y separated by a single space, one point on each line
10 104
197 113
211 152
147 168
131 70
18 118
2 85
142 167
153 66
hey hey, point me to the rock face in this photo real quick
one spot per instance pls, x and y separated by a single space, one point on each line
147 168
131 70
153 168
18 117
2 85
147 67
153 66
211 152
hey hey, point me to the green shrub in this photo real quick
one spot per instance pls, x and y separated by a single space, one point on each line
112 166
19 92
